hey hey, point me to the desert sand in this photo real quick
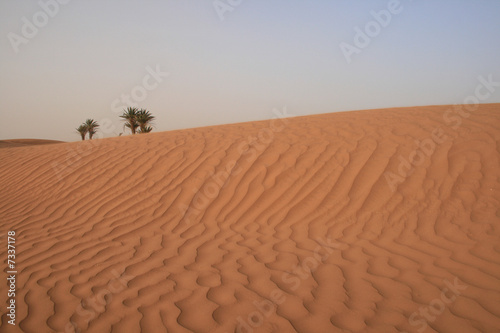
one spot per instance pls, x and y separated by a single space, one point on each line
25 142
367 221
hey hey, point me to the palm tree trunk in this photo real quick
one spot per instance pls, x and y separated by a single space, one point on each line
132 127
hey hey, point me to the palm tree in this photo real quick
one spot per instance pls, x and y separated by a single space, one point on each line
144 118
83 129
92 127
130 117
146 129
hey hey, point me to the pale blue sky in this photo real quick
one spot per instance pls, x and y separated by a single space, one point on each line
263 55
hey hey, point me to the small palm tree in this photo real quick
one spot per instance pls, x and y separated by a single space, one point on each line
146 129
83 129
92 127
144 119
130 117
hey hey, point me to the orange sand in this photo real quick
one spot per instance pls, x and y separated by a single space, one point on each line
25 142
299 231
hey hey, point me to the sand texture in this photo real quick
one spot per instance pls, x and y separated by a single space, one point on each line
25 142
368 221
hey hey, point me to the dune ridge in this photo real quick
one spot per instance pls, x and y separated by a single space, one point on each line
366 221
25 142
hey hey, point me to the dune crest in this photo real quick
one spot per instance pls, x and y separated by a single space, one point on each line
367 221
25 142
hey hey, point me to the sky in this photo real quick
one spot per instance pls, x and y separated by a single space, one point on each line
199 63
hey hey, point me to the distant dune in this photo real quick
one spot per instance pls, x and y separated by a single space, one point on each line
25 142
368 221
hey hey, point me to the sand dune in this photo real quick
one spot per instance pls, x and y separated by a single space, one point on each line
368 221
25 142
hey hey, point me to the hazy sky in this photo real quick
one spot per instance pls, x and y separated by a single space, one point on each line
235 60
